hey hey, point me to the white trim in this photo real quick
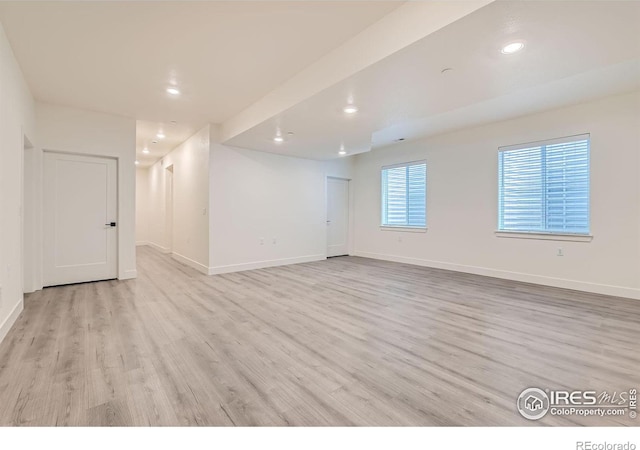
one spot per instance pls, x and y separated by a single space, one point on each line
141 243
404 164
560 140
129 275
263 264
605 289
161 249
191 263
11 319
544 236
404 229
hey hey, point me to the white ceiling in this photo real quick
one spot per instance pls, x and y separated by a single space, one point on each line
574 51
228 57
119 57
147 137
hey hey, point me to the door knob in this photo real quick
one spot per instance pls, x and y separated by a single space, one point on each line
110 224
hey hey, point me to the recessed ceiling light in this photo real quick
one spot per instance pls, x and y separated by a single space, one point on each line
512 48
137 162
173 91
145 151
350 109
278 139
342 153
160 135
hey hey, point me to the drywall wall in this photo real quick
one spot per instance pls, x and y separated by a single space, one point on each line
142 206
32 221
17 120
230 205
156 207
185 233
462 190
83 132
267 209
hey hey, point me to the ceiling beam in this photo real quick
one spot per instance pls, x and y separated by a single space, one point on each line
397 30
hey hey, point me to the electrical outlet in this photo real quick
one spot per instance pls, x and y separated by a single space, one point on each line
275 241
261 241
399 238
560 252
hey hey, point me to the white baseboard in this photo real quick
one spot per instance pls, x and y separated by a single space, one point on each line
158 247
605 289
11 319
139 243
263 264
128 274
191 263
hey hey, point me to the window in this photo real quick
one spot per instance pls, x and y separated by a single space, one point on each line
404 195
544 187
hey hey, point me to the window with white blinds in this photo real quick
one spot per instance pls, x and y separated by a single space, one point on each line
544 187
404 195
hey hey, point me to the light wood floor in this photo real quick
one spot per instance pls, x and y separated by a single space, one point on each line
348 341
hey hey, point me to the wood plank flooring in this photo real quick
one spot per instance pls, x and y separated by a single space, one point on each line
347 341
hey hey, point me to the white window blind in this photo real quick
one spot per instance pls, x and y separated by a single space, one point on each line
404 195
544 187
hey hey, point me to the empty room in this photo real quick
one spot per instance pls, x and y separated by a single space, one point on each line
382 215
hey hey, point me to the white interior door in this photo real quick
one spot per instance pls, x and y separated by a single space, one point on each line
80 210
337 217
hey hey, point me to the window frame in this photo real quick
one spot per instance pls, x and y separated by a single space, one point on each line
547 234
406 228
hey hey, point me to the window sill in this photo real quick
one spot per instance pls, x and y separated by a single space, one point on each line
404 229
545 236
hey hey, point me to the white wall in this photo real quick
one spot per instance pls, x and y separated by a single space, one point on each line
190 237
156 207
227 199
16 120
462 202
142 206
76 131
258 198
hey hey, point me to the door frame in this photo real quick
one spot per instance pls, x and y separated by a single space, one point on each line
28 226
350 226
169 206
